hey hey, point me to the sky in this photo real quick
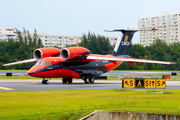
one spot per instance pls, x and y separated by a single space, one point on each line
75 17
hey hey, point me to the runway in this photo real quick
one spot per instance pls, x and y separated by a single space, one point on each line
111 73
20 85
34 85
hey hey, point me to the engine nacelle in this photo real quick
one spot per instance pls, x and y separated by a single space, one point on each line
46 52
76 53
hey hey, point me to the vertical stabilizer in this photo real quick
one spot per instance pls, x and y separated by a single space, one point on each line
124 41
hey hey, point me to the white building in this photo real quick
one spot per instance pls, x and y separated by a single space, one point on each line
6 33
167 25
49 40
63 40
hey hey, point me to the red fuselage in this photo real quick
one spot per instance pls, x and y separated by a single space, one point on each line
56 67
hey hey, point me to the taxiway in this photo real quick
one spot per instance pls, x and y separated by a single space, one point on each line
33 85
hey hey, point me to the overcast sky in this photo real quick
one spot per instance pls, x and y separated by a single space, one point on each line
74 17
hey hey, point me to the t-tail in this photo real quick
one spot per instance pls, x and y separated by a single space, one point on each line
124 41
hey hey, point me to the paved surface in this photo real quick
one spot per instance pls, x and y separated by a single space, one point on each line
111 73
15 85
19 85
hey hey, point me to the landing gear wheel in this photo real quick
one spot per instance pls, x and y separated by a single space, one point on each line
86 80
91 80
64 81
69 80
45 81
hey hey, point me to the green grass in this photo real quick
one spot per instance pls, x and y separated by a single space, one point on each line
18 77
147 70
13 70
29 77
108 78
74 104
163 74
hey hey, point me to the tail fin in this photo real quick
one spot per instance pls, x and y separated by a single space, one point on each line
124 41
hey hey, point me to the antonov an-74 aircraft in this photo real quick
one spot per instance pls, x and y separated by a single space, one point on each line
78 62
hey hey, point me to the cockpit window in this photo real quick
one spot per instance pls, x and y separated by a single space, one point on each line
41 63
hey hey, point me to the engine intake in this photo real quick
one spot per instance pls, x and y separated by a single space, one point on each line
46 52
76 53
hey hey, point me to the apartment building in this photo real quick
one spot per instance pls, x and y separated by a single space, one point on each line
6 33
63 40
167 25
49 40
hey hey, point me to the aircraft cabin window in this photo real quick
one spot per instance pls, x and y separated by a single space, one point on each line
41 63
48 63
45 63
37 63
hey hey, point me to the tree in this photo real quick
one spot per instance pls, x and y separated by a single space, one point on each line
96 44
29 39
35 38
40 43
19 36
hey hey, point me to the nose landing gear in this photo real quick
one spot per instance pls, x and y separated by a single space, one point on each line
45 81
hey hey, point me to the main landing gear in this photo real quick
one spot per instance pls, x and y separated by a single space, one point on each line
88 79
45 81
67 80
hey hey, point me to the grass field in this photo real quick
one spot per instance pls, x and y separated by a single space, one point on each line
74 104
108 78
29 77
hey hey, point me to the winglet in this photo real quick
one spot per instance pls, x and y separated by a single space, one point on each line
154 29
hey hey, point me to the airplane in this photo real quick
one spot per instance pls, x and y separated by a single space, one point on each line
78 62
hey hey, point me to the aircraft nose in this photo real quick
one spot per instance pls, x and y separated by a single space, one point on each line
34 72
31 72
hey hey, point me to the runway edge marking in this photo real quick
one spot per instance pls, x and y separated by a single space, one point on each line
5 88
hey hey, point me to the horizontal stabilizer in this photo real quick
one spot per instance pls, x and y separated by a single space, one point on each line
21 62
113 58
124 40
131 30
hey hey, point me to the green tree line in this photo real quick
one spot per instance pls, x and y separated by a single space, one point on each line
96 44
159 50
22 48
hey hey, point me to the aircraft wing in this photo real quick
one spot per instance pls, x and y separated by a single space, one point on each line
21 62
113 58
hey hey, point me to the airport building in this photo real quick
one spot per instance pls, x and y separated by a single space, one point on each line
167 25
49 40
